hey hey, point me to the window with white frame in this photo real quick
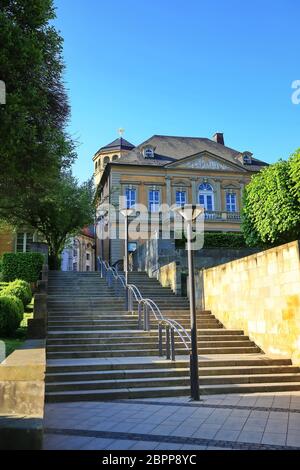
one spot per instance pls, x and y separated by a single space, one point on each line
206 196
130 197
180 198
23 241
231 202
154 200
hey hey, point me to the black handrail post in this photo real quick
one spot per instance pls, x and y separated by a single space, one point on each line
160 340
140 315
173 358
168 352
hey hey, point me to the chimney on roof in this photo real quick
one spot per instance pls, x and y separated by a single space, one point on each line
219 138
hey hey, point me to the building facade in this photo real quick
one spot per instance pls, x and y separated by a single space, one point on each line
79 254
174 171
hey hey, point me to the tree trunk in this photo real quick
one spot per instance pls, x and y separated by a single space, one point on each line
54 261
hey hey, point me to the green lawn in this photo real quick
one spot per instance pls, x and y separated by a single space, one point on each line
20 335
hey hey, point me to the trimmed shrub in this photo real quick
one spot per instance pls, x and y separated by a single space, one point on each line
20 289
25 266
233 240
224 239
11 314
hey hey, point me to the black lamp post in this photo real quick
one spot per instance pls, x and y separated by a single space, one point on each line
100 218
190 213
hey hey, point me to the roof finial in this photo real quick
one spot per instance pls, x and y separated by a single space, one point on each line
121 131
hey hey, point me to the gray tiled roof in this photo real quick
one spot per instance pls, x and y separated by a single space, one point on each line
168 149
118 144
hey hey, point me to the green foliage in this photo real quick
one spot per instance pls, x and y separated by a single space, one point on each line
20 289
271 205
295 174
218 240
11 312
224 239
34 144
25 266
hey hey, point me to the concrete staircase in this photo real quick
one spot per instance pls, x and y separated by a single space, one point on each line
95 351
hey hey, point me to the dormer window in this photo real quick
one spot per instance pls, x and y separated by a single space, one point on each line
247 158
148 152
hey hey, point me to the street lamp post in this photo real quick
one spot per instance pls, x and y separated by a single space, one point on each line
190 213
101 214
126 213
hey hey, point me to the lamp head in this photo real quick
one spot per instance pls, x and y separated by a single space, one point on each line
127 212
189 212
100 214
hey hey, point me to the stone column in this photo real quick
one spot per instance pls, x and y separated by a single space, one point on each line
217 195
194 190
168 191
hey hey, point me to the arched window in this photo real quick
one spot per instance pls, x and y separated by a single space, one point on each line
105 160
206 196
96 165
115 157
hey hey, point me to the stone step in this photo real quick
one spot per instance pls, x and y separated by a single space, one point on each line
141 345
171 382
259 360
138 339
168 372
152 392
147 352
112 333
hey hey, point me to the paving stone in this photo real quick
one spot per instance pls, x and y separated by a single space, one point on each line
207 431
227 435
250 436
97 444
274 438
121 444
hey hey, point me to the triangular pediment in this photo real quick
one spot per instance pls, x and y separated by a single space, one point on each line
206 161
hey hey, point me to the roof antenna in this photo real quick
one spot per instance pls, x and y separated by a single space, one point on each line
121 132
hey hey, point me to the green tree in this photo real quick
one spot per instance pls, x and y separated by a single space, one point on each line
295 173
271 208
63 210
34 143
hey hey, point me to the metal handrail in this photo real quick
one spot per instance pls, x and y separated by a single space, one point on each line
144 305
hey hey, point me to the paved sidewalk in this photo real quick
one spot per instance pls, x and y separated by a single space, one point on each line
239 421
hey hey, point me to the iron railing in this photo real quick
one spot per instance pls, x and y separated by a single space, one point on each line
146 307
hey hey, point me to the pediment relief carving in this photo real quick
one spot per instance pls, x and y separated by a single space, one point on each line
206 162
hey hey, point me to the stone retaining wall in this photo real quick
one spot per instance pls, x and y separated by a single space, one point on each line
261 295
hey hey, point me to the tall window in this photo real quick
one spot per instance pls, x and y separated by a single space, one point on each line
180 198
206 196
23 241
130 198
154 200
231 202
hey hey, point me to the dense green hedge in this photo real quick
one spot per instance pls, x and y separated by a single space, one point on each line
224 240
219 240
25 266
11 314
20 289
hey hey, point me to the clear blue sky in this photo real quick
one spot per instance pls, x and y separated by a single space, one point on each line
182 67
